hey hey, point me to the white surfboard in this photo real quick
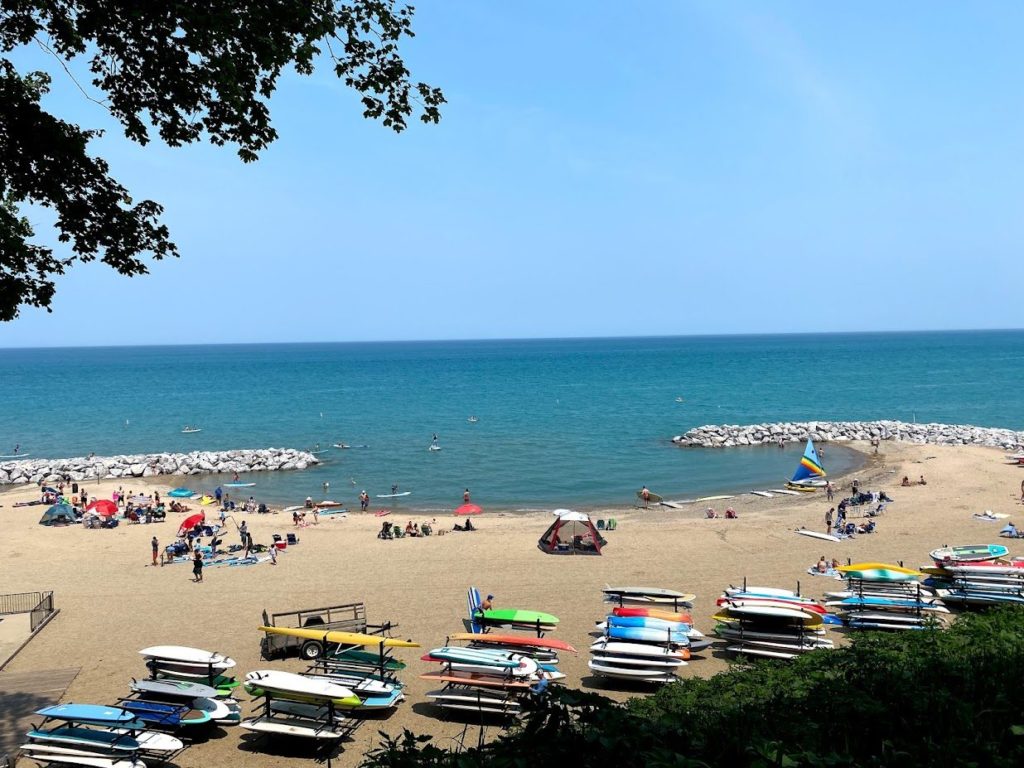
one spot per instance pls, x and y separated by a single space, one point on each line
624 648
753 650
298 727
638 661
765 494
817 534
644 675
41 753
288 682
185 655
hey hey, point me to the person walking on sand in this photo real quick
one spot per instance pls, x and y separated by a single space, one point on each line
829 490
197 566
243 532
828 519
273 554
156 549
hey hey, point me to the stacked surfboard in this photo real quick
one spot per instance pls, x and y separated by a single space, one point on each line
977 575
772 623
96 736
882 596
646 637
187 687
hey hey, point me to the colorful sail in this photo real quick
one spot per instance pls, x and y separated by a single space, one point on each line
809 466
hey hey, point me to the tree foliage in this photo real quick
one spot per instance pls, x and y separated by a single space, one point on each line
186 70
949 698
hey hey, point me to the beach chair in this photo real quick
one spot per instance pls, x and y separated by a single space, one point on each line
292 539
612 524
600 525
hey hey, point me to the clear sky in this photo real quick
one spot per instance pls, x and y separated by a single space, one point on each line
601 169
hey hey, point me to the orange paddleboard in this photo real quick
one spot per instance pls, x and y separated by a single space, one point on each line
476 678
526 642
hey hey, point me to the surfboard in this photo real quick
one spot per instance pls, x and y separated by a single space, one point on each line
785 492
653 498
604 646
816 534
393 495
466 695
654 613
646 592
714 498
341 638
647 621
87 713
639 661
39 754
873 565
646 635
476 678
239 485
16 456
746 613
190 656
176 688
305 729
765 494
527 642
641 674
288 685
751 650
517 616
672 504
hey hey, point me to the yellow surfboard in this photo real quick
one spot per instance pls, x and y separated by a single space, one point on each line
342 638
872 566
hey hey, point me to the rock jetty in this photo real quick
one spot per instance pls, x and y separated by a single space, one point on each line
731 435
153 464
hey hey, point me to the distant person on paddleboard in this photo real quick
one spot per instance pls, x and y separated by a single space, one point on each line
17 448
394 489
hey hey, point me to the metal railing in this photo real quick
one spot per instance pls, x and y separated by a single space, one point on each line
38 604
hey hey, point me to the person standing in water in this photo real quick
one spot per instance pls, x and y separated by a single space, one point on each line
465 497
645 494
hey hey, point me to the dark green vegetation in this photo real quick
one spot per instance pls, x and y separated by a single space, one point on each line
188 69
942 698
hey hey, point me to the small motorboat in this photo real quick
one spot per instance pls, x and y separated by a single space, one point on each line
189 430
472 419
342 445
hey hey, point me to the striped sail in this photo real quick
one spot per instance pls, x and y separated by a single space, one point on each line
809 466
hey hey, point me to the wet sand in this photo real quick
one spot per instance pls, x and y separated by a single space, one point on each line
113 602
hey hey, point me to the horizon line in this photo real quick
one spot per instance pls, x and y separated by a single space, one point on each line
521 338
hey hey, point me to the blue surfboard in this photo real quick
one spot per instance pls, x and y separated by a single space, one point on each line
647 635
473 603
87 713
647 621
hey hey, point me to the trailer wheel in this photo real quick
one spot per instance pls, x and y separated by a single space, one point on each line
311 649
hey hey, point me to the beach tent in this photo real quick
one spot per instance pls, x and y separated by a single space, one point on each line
58 514
103 507
468 509
181 493
191 522
572 533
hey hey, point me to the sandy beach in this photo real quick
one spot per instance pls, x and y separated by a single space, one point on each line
113 602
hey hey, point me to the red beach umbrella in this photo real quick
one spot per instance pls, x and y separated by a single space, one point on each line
468 509
190 522
103 508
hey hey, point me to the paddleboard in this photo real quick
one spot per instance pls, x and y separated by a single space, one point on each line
753 650
291 686
95 739
765 494
671 504
817 535
646 592
872 566
654 613
528 642
809 637
784 647
644 635
605 646
393 495
768 602
641 675
968 553
476 679
185 655
87 713
239 485
511 708
713 498
34 752
644 621
16 456
466 695
293 726
653 498
638 661
517 616
341 638
785 492
732 615
177 689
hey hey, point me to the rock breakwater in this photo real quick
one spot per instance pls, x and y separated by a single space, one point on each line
730 435
154 464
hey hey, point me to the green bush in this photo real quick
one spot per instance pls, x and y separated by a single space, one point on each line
931 698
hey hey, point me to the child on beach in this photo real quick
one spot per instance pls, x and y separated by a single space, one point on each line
197 566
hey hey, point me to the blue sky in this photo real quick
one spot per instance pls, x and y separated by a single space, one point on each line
601 169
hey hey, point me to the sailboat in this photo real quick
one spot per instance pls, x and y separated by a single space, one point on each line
809 472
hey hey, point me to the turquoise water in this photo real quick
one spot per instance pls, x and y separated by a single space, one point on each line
561 422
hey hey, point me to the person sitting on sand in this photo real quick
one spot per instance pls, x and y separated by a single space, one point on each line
822 566
711 514
868 527
835 564
921 481
730 514
906 482
409 529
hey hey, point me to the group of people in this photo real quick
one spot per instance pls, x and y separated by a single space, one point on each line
730 514
389 530
836 522
906 482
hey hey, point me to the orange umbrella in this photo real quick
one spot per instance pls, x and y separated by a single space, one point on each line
468 509
103 508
